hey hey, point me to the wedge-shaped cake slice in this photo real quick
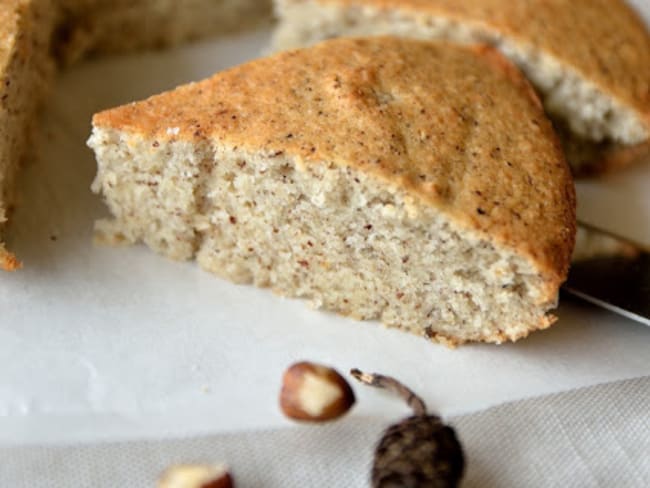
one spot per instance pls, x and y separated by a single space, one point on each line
589 59
413 182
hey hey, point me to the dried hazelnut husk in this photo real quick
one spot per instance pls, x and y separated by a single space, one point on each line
420 451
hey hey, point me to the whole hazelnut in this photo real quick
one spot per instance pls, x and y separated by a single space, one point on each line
196 476
314 393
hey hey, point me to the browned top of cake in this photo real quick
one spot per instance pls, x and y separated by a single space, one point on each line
456 127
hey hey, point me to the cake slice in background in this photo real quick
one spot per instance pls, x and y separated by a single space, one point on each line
413 182
588 59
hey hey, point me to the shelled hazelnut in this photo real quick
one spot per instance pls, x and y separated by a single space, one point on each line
314 393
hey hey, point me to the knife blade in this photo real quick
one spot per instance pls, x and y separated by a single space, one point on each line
611 272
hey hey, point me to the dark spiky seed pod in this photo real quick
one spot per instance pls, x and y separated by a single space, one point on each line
420 451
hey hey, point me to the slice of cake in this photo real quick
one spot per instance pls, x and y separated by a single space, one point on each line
413 182
589 59
25 71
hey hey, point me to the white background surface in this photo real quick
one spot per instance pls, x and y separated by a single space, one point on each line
117 343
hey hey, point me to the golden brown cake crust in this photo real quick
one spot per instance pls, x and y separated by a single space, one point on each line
486 155
604 40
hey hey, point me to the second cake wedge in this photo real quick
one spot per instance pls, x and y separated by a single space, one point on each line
588 59
413 182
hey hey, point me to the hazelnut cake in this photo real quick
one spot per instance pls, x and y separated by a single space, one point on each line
415 182
588 59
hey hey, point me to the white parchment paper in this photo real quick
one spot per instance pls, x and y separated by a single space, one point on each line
118 343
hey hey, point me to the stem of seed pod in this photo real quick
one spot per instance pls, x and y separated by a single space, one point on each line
380 381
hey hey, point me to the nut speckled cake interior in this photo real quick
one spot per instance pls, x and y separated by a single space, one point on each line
413 182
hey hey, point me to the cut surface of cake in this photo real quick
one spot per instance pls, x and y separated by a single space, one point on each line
413 182
588 59
35 35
